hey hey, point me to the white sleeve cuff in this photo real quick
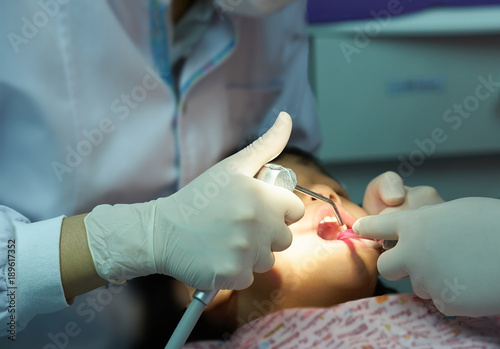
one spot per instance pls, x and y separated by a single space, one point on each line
38 271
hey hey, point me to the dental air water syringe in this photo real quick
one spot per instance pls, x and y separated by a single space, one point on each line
270 173
286 178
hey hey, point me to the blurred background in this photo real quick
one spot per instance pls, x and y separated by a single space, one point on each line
412 87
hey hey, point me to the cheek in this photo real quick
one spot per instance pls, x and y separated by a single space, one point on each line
302 225
335 273
356 211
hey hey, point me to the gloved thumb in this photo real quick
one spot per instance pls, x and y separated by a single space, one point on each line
384 191
248 161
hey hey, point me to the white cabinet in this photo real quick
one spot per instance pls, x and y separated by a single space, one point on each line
409 86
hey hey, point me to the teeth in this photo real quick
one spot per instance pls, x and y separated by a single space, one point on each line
328 219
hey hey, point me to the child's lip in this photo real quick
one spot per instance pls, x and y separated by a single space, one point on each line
349 235
346 217
329 230
325 210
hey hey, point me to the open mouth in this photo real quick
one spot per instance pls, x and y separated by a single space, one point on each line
329 228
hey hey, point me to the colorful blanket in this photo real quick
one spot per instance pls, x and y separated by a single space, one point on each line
393 321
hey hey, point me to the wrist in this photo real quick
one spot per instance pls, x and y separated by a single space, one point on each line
78 273
120 240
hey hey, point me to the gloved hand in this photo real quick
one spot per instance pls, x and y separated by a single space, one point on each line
385 190
416 197
212 234
449 250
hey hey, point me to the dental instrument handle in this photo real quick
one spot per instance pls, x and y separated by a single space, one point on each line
286 178
200 300
278 175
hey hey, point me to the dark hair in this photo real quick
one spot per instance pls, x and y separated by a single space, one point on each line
307 157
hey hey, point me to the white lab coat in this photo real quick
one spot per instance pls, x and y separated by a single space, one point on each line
86 119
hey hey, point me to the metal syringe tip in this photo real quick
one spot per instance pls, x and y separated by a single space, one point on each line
321 197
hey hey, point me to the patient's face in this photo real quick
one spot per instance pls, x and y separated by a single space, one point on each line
317 270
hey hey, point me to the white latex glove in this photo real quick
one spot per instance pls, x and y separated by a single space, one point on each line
385 190
212 234
449 250
416 197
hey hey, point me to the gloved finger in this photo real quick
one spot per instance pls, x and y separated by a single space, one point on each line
282 239
384 190
291 208
418 287
249 160
294 208
243 281
264 262
417 197
384 227
391 188
390 265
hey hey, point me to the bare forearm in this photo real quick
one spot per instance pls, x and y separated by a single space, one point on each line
78 273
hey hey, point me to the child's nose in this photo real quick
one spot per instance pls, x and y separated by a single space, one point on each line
325 191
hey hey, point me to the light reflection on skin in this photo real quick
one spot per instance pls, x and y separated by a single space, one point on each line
312 272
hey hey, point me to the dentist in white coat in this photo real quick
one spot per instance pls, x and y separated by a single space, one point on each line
129 103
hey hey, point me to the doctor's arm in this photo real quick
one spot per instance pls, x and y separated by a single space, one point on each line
78 274
30 281
187 239
168 235
217 244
